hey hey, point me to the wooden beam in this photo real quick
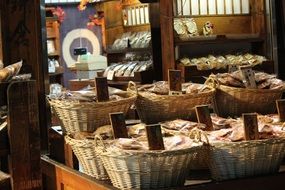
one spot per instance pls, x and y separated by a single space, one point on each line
24 38
167 36
65 177
24 136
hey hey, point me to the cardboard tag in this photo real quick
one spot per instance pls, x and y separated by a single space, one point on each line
280 104
101 86
250 126
110 75
175 82
118 125
154 137
203 116
232 68
248 76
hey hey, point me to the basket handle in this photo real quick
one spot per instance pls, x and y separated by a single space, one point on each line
196 135
212 82
99 142
132 87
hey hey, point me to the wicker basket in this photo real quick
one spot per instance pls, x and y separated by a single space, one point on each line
147 170
233 160
153 108
232 101
87 116
87 156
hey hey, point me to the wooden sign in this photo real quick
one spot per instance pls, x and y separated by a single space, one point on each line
203 116
250 126
248 76
118 125
280 104
175 82
154 137
101 85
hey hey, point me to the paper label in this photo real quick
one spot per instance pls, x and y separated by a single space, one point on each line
110 75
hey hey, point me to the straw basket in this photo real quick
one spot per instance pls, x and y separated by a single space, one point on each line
153 108
231 160
232 101
147 170
87 156
87 116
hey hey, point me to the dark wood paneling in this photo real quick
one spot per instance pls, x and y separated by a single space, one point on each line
24 135
23 35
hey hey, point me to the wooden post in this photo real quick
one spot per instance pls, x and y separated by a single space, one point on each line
250 126
24 136
167 36
280 104
203 116
101 85
154 137
24 38
118 125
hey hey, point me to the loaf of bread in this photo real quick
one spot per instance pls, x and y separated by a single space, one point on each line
8 72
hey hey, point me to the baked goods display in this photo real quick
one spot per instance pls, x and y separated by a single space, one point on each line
162 88
128 69
235 79
132 39
219 61
185 27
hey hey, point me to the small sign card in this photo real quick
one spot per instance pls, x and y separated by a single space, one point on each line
154 137
203 116
250 126
280 104
248 76
101 85
118 125
175 82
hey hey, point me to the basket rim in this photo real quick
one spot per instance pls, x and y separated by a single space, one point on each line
256 90
146 93
260 141
76 102
128 153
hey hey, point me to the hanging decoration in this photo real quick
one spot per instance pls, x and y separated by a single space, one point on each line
59 13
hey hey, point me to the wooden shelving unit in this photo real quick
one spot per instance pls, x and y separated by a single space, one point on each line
247 28
53 35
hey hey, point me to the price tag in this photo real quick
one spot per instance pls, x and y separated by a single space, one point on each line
248 76
232 68
154 137
280 104
101 86
250 126
110 75
175 82
118 125
203 116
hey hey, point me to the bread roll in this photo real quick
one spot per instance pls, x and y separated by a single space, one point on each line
10 71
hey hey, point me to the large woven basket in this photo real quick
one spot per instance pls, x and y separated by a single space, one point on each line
153 108
87 116
232 101
233 160
147 170
85 152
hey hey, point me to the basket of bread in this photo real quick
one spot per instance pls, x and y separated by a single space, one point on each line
84 111
154 103
235 96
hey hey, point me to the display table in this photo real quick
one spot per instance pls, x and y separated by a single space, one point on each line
55 174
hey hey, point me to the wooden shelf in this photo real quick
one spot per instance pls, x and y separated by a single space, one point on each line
218 40
55 54
55 74
127 50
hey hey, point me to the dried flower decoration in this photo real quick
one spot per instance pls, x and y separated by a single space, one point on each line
59 13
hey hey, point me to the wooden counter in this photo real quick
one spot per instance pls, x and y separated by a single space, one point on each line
58 176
